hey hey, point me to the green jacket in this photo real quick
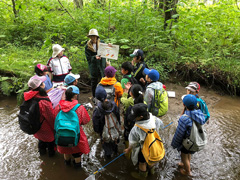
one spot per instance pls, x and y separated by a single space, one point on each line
95 66
126 101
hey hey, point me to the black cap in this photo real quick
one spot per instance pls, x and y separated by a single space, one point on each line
139 110
137 52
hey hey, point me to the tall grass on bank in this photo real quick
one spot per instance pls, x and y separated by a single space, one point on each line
204 39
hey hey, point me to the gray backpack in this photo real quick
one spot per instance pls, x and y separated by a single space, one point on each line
110 90
197 139
111 129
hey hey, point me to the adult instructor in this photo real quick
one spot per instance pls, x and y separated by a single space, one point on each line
96 64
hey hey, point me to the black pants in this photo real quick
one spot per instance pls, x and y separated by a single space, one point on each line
46 145
94 83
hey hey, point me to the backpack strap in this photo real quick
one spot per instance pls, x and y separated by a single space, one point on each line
188 116
75 107
145 130
189 128
108 126
39 99
127 77
114 123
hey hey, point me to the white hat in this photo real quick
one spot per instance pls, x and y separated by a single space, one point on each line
34 83
56 50
192 87
93 32
41 78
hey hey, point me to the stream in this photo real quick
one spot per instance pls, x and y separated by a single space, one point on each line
19 157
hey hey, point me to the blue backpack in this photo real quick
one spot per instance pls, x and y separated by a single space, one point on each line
203 107
66 128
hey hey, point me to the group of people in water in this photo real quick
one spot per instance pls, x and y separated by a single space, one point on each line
143 97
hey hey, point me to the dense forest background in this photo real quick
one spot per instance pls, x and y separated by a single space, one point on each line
188 39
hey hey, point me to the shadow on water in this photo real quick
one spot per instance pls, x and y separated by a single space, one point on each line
19 158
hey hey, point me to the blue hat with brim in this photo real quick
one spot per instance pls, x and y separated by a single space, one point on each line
190 101
75 89
70 78
153 74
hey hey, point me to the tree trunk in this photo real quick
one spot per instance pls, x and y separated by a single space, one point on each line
101 3
109 17
169 10
161 4
14 9
144 4
78 3
155 4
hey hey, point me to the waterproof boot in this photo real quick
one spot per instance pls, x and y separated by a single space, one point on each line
140 175
51 153
77 165
42 151
152 170
67 162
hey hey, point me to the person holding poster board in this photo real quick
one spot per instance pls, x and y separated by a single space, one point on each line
108 51
96 63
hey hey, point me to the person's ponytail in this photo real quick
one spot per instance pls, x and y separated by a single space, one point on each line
137 93
138 99
42 92
69 94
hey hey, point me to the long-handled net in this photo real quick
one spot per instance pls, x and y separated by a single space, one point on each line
92 177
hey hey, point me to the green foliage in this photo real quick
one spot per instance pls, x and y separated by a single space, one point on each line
204 39
10 85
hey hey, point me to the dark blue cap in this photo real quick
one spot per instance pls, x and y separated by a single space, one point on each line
100 93
190 100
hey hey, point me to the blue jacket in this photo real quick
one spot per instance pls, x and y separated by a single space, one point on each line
184 126
99 116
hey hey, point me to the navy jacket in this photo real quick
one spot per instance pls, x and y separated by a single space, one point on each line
184 126
99 116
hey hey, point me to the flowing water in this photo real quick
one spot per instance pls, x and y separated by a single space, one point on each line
19 158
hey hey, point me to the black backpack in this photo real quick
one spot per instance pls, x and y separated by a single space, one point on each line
29 116
131 79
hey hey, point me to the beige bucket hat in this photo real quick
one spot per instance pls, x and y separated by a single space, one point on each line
56 50
93 32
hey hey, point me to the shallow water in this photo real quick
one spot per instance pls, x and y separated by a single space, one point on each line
19 158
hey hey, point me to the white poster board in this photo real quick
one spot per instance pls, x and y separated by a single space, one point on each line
108 52
171 93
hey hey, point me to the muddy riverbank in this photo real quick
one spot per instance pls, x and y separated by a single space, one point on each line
219 160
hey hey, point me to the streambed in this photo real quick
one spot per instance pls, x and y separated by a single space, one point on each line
19 158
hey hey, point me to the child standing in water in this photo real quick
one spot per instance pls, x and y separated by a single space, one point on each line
59 64
42 72
105 107
110 80
45 134
139 65
193 88
184 129
136 97
155 96
137 136
82 147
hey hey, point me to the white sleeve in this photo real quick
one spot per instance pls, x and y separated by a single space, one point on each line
133 137
159 124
